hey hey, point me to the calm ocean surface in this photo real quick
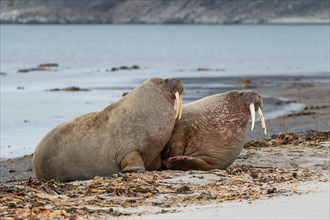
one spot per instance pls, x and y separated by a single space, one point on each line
249 49
86 53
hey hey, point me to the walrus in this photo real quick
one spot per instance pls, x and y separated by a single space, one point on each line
126 136
211 132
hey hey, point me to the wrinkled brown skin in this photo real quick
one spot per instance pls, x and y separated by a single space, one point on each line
210 134
126 136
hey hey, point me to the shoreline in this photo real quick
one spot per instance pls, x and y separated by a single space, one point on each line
32 127
262 208
296 89
270 171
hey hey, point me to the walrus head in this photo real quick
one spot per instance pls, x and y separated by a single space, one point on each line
174 88
254 102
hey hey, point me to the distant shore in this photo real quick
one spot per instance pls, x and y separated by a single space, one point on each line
327 22
165 12
279 21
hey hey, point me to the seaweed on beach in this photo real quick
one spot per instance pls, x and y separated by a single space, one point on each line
268 168
317 136
289 138
163 191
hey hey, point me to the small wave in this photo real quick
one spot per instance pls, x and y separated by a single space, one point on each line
275 107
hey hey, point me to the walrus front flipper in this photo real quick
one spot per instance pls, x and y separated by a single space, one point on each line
186 163
132 162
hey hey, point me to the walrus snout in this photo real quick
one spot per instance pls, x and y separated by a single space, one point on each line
175 88
249 97
174 85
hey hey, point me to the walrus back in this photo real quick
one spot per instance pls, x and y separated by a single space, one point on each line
62 149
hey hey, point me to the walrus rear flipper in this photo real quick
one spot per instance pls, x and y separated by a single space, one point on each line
132 162
186 163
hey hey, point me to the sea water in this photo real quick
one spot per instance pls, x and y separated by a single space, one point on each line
87 53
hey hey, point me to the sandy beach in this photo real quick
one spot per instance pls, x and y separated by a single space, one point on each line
288 166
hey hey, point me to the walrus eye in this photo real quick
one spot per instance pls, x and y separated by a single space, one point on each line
262 119
179 106
253 115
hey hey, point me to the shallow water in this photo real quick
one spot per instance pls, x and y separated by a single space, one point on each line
86 53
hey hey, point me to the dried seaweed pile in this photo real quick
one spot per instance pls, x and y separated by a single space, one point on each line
266 168
310 138
157 192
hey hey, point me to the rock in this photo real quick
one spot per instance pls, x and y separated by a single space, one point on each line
43 65
248 84
24 70
75 89
134 67
3 74
69 89
54 90
203 69
317 107
124 68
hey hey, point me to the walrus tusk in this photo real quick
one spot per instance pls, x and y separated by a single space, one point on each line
253 115
181 107
262 119
178 106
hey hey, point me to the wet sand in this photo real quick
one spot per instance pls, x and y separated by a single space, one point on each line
272 165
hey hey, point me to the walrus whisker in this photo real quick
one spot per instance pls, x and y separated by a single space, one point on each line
262 119
253 115
178 104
